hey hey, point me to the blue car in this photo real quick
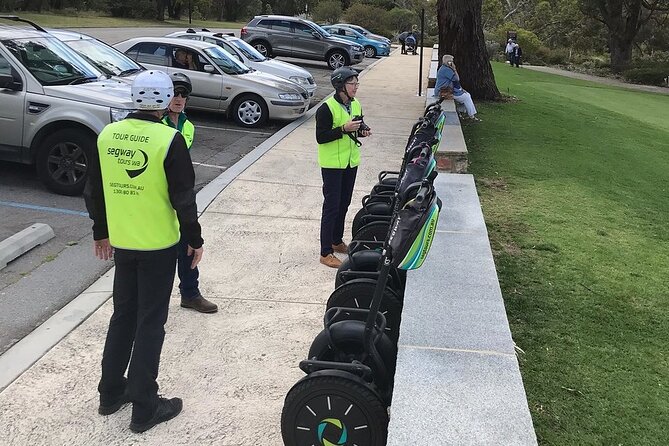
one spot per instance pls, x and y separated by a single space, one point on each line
373 47
364 32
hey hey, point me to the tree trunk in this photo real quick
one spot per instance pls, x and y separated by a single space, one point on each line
621 53
461 34
160 10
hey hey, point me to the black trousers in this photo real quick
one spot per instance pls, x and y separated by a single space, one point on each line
404 51
142 286
337 192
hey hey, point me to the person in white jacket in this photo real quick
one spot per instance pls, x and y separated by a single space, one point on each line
510 46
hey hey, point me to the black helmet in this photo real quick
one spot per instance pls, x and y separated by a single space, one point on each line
340 76
181 82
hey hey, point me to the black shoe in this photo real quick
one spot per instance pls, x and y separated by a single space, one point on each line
166 410
199 304
108 409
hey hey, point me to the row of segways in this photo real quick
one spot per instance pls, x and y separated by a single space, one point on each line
345 396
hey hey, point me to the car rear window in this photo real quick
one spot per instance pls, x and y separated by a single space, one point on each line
150 53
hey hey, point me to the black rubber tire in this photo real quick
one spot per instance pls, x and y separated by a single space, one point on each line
337 59
63 160
333 397
370 51
373 207
374 231
358 293
396 281
250 111
348 337
263 47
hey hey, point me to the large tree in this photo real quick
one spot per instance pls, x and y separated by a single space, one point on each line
461 34
623 19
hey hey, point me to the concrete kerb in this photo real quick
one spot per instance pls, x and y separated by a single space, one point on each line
21 356
23 241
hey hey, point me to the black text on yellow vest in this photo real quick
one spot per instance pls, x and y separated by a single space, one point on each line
140 215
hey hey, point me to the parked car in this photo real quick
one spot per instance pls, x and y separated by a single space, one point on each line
53 104
105 58
220 81
365 32
275 35
372 47
250 57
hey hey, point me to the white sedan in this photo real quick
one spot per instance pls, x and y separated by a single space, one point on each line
250 57
220 81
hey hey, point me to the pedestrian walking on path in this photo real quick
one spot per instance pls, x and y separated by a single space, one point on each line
188 276
140 196
338 125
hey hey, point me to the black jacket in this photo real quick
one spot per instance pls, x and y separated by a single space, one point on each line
180 184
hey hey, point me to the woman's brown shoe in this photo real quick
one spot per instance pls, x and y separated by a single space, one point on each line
330 260
341 248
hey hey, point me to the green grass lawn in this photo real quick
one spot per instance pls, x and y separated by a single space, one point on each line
84 20
574 184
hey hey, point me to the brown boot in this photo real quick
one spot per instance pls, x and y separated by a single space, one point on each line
341 248
330 260
199 304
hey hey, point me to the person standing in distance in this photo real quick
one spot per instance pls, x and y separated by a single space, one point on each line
139 196
338 123
188 276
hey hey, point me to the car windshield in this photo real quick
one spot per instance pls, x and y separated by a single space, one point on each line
105 58
247 50
226 61
319 29
51 61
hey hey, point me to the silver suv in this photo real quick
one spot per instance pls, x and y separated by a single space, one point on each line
52 105
275 35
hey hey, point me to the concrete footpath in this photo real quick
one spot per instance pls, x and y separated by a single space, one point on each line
234 368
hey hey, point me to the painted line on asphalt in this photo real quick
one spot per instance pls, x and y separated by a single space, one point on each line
42 208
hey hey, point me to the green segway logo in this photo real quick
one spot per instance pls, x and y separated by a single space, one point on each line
337 426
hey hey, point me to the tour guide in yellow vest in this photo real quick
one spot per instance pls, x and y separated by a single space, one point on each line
338 126
140 196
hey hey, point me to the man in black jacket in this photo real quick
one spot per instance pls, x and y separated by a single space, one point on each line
140 197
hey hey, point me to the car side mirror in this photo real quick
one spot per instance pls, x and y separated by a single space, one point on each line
209 68
8 81
316 35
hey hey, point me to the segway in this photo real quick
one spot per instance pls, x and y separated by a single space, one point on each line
380 201
358 291
343 398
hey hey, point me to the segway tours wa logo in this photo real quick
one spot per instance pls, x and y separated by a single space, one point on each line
332 432
135 161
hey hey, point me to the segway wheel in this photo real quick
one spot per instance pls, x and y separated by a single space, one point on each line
333 411
372 208
369 263
374 231
358 293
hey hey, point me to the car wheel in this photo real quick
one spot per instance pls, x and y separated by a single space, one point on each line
337 59
370 51
63 160
250 111
263 47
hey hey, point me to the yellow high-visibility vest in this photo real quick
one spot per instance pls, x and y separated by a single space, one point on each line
140 215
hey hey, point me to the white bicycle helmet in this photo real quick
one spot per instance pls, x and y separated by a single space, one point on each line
152 90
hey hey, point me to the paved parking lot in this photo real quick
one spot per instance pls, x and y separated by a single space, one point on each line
39 283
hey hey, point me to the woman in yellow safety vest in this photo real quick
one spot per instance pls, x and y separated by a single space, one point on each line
338 126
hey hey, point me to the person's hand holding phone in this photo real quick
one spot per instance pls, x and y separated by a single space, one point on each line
351 126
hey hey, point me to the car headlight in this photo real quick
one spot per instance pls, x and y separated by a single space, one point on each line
290 96
118 114
300 80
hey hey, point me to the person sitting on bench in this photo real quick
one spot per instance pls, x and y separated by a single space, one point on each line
448 81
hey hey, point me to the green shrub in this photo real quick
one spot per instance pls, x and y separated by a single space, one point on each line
649 75
398 19
327 11
370 17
